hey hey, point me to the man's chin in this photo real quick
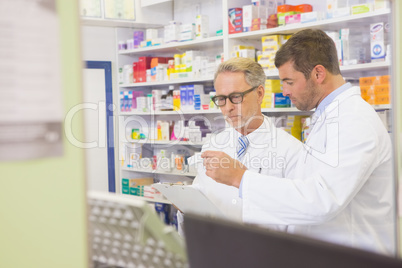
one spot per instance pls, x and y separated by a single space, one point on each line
235 125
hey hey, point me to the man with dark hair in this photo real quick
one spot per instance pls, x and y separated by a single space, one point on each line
343 189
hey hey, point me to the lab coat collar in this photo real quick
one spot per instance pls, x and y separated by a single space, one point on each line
331 108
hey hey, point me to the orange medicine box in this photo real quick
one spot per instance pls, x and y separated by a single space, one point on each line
367 90
285 8
381 99
384 79
381 89
303 8
374 90
377 99
371 80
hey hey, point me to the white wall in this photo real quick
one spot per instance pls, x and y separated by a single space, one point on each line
98 43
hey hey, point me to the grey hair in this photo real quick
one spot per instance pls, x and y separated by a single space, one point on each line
253 72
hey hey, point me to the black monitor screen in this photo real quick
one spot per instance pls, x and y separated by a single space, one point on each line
217 243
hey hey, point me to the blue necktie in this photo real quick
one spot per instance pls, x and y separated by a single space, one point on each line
242 146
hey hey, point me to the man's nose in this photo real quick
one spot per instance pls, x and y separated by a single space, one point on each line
285 91
229 106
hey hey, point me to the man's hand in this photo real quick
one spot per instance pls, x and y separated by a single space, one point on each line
222 168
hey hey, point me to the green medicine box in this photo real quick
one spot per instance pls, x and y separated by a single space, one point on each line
125 190
138 191
125 182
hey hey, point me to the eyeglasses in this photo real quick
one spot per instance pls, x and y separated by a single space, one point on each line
235 97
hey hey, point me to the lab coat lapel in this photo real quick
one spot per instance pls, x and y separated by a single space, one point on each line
326 124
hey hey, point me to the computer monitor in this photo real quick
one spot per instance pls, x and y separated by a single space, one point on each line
217 243
126 232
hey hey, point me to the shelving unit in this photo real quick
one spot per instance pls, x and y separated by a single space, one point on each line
166 83
224 44
177 46
151 200
116 23
175 173
176 142
333 24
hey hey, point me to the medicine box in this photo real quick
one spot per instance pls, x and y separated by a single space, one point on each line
311 16
250 12
377 46
187 27
235 17
138 37
125 190
280 101
273 85
151 34
339 12
371 80
363 8
125 182
183 96
282 16
143 64
202 26
187 36
296 18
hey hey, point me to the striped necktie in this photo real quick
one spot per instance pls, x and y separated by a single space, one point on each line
243 142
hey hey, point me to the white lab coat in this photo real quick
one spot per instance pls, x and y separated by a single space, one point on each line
272 151
343 190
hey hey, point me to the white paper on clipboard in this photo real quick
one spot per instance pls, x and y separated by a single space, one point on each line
189 199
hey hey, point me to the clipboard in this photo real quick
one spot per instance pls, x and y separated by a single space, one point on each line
189 199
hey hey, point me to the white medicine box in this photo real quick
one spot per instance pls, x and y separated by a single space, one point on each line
202 27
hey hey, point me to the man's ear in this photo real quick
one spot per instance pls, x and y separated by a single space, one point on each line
319 73
260 93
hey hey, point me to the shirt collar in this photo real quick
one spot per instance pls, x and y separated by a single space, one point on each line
331 96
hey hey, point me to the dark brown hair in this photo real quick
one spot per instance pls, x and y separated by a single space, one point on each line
308 48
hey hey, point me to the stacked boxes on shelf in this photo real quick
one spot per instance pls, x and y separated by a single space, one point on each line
173 32
258 15
135 186
167 161
187 32
190 64
243 52
294 125
235 18
167 214
183 130
288 14
272 87
254 16
375 89
201 26
270 45
187 98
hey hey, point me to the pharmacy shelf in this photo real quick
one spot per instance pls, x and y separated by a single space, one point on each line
346 68
333 24
211 111
174 47
101 22
176 142
216 111
382 107
170 82
151 200
176 173
366 66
